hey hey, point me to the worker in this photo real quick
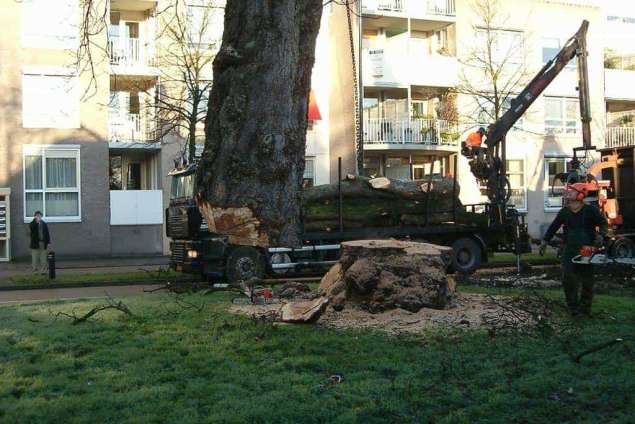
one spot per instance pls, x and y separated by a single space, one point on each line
473 142
579 222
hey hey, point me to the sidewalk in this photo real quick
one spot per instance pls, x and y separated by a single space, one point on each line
87 266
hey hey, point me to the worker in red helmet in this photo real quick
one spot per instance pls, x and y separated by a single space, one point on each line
580 224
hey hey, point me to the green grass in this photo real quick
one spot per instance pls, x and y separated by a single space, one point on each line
530 258
99 277
185 366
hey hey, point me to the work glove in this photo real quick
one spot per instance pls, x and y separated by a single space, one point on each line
543 248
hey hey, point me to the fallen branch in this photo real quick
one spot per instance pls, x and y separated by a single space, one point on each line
112 304
597 348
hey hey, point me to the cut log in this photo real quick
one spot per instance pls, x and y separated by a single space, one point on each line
386 274
303 311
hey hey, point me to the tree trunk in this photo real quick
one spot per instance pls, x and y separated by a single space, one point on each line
250 176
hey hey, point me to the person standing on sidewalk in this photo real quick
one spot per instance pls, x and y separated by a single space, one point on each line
40 240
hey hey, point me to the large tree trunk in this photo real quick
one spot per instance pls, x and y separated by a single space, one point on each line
250 176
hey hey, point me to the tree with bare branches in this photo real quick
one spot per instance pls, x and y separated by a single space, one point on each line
189 34
493 69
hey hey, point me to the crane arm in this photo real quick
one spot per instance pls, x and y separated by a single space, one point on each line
575 47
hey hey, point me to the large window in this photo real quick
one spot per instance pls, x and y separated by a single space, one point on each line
50 101
561 115
50 24
52 182
507 46
516 176
205 23
551 46
555 188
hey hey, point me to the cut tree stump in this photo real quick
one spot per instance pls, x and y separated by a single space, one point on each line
386 274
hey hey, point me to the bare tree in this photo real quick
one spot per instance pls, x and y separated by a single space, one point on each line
187 50
493 68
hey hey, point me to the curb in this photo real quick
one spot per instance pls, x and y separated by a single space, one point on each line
89 284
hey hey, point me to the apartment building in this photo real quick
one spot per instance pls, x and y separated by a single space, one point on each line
89 149
423 93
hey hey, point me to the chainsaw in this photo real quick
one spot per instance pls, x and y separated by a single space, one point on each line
591 255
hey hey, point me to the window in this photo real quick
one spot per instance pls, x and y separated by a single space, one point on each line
551 46
308 179
52 182
50 24
555 188
487 115
205 23
115 173
182 186
507 46
516 176
561 115
50 101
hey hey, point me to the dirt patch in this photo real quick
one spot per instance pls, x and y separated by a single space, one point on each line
466 311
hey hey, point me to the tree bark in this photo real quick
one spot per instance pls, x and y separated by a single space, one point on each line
250 176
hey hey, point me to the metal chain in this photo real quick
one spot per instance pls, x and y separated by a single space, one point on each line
359 147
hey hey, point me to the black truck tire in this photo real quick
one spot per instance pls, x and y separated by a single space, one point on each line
622 247
467 256
244 263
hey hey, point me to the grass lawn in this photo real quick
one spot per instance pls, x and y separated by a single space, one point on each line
168 275
186 366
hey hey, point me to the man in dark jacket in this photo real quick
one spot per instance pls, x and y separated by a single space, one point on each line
40 240
580 223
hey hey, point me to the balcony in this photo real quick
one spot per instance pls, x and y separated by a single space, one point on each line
417 9
410 133
131 128
619 84
129 57
400 64
136 207
617 137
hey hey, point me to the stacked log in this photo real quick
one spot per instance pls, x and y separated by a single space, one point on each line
381 202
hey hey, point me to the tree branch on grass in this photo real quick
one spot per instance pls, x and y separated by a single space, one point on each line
111 304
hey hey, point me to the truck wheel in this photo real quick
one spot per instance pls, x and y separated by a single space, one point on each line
467 256
622 248
243 264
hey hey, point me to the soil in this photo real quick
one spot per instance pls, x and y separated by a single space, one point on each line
466 311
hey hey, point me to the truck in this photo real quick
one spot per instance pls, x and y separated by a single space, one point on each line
194 249
496 226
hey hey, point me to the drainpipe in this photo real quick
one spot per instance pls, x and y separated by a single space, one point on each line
360 83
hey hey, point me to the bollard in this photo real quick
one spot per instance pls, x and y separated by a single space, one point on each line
51 261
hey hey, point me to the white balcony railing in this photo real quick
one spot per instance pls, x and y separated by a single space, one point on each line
415 8
127 52
131 128
432 132
620 137
441 7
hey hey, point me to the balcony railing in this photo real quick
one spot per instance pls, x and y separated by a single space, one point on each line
132 128
391 5
127 52
432 132
441 7
620 137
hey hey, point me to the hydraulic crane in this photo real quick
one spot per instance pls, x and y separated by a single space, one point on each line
488 168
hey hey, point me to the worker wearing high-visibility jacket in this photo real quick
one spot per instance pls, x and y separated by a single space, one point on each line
581 224
475 139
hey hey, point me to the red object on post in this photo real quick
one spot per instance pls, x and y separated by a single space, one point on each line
314 110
